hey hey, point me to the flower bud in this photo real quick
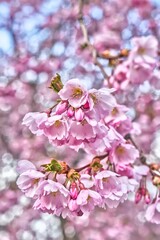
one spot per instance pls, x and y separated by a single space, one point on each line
70 112
79 114
86 105
61 107
73 191
138 196
147 198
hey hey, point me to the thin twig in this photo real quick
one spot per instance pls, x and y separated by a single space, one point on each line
88 43
88 165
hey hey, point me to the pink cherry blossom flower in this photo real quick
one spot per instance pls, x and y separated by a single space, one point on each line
113 188
140 72
120 195
144 49
117 115
119 80
82 130
29 178
140 172
52 197
74 92
88 199
101 101
123 153
56 128
106 182
35 120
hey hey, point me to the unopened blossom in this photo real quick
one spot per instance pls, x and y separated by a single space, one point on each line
152 213
79 114
7 92
61 107
142 192
72 201
73 191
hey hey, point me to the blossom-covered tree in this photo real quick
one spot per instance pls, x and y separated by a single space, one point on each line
79 119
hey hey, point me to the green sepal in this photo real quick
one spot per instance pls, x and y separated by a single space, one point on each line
54 166
56 83
96 166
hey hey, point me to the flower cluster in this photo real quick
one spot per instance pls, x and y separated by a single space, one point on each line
88 119
94 121
139 65
60 190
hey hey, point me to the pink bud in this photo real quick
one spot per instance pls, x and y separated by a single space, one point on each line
138 197
61 107
86 105
147 198
79 114
143 191
70 112
73 191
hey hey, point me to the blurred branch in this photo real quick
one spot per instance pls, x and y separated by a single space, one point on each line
65 237
87 42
